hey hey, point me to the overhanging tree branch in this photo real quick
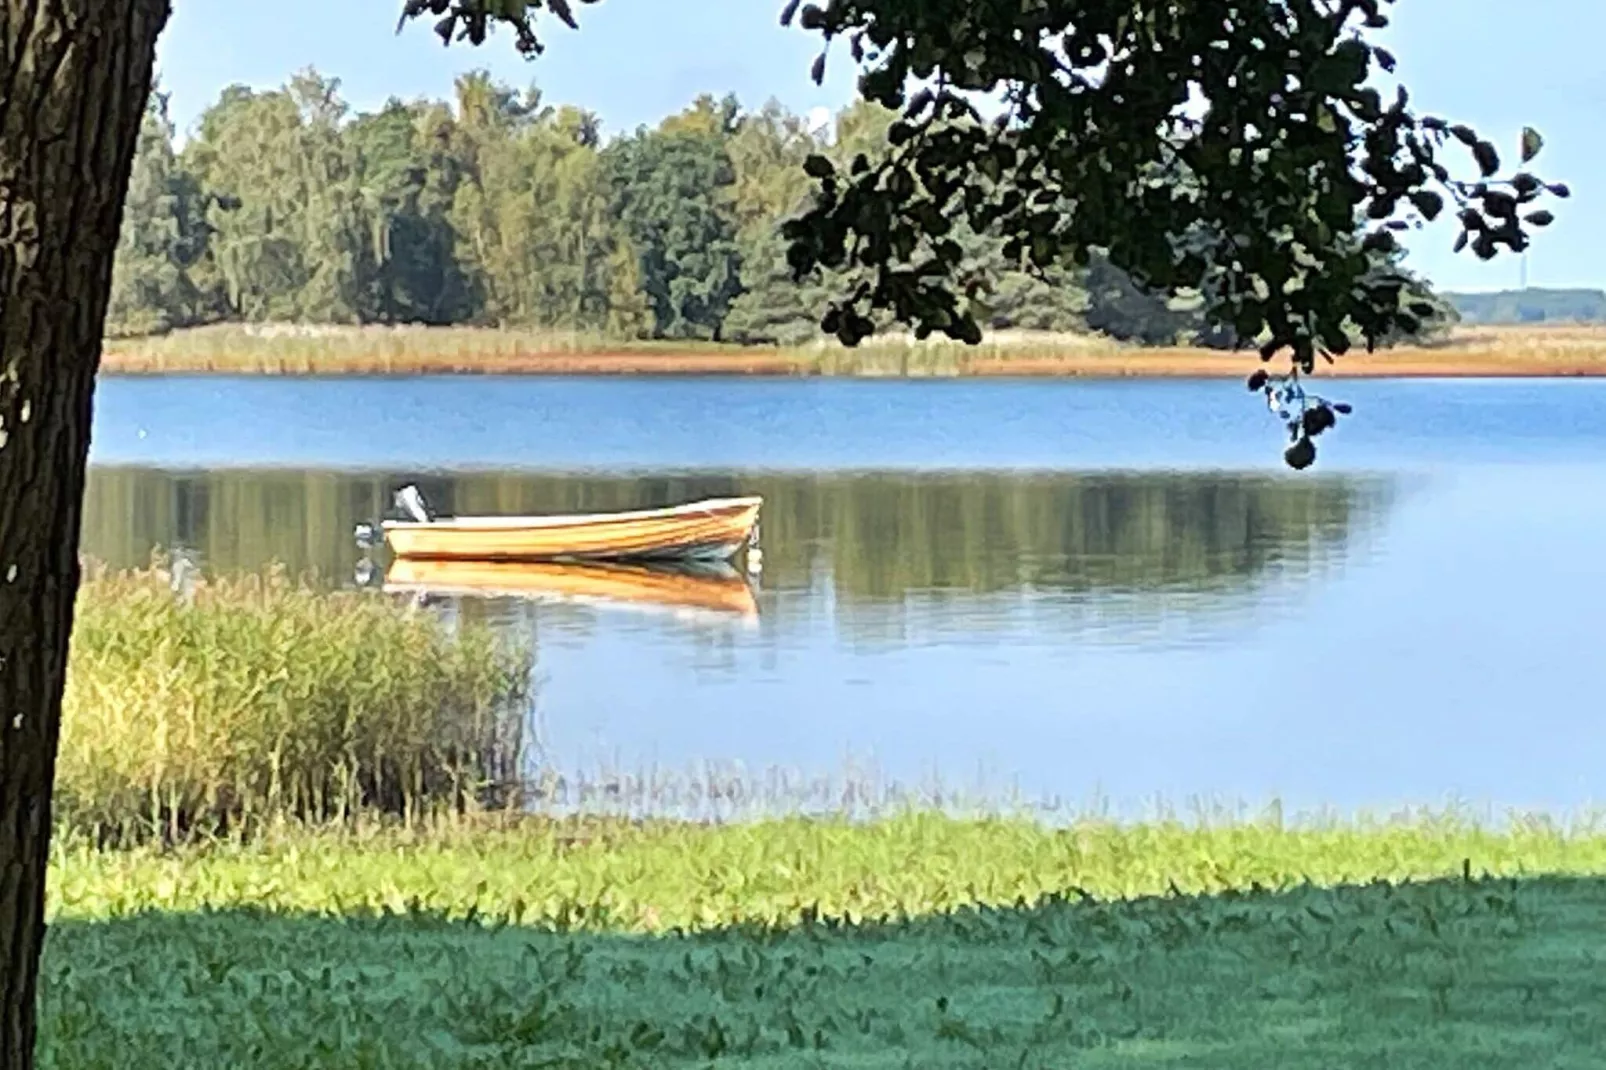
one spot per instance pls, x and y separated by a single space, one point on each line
1234 148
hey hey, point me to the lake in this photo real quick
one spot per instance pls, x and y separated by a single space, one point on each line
1078 593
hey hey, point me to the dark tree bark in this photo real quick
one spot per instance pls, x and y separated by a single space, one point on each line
74 78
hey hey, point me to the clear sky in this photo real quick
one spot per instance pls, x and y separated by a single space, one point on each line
1493 63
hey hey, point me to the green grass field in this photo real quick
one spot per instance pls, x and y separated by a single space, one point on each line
913 941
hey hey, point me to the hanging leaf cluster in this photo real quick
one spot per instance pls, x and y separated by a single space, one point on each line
1240 149
472 20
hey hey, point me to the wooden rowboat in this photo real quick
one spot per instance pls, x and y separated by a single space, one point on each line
711 588
711 530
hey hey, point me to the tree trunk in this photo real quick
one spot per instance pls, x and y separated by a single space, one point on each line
74 79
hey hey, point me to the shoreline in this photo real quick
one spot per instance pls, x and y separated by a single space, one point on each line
1493 352
1106 858
721 366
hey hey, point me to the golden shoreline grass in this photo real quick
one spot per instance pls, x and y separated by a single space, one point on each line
290 350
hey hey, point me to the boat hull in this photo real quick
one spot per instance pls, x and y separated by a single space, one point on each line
712 530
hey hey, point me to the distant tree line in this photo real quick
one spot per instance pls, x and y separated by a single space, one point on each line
499 209
1530 306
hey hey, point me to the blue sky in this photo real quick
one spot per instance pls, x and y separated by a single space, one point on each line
1492 63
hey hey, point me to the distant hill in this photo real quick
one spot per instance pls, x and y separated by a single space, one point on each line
1530 306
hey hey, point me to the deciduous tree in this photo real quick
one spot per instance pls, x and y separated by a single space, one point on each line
674 191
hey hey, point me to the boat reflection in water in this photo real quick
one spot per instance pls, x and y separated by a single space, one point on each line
684 589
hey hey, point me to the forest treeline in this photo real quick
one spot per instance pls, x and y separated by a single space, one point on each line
497 208
1532 305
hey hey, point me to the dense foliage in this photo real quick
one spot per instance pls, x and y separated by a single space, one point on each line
499 208
1243 151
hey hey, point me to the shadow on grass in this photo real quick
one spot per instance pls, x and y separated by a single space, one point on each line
1465 973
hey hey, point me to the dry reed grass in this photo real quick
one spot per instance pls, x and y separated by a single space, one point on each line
1561 350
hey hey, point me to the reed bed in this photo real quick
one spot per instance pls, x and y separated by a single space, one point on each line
722 791
301 350
219 706
294 349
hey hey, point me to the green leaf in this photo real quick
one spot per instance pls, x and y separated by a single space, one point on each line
817 166
1488 159
1301 455
560 8
1531 143
1500 204
1427 202
1380 241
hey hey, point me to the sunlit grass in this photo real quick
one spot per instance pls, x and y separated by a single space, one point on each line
255 699
282 349
657 875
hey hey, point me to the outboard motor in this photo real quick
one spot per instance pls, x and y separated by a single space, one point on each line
411 502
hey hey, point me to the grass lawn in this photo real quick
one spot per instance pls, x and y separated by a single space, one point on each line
913 942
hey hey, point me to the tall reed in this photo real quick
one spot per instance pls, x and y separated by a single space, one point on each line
254 700
291 349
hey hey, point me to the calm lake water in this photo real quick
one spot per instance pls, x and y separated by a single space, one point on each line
1091 593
